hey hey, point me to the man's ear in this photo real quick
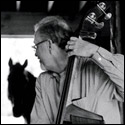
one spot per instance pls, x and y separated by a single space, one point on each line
50 46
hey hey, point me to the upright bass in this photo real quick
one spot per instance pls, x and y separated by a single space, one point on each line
73 114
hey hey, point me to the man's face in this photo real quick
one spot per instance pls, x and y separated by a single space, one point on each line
42 51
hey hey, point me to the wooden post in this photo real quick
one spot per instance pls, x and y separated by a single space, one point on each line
115 28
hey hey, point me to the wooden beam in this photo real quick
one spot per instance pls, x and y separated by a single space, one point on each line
15 23
21 23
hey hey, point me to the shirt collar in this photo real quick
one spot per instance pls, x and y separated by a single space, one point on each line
58 76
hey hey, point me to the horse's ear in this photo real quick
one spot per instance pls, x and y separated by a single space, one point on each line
25 63
10 62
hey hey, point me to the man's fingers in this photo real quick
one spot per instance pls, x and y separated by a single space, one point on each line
73 38
71 53
71 42
69 47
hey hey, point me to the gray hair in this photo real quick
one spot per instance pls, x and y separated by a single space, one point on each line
55 28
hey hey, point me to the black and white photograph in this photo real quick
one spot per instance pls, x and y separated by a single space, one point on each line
62 62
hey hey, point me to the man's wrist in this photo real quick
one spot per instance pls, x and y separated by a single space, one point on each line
95 49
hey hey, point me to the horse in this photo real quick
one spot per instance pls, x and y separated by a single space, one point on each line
21 90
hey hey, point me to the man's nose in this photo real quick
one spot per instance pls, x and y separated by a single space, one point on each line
36 54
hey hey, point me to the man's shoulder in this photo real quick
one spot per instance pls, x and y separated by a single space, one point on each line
45 75
43 79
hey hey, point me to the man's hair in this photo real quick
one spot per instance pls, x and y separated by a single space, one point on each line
54 28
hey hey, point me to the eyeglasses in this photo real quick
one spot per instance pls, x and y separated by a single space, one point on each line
35 46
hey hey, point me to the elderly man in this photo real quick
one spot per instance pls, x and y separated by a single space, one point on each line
97 83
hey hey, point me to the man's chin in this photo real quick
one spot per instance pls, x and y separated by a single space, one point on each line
42 67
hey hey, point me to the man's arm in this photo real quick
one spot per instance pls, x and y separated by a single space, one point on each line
112 64
38 114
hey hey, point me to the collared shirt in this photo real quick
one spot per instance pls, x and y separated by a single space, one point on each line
97 85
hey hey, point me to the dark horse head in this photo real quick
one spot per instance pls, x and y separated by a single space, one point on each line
21 90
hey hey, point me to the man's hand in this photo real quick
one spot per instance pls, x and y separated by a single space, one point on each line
79 47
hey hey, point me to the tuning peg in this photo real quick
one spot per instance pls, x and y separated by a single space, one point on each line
92 19
108 16
102 7
86 34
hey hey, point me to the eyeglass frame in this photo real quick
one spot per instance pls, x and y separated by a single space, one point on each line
35 46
